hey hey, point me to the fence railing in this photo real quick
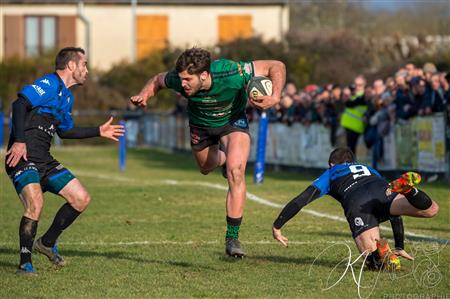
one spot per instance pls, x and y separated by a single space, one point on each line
422 143
419 144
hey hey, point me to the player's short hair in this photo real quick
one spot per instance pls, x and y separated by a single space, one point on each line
194 61
67 54
341 155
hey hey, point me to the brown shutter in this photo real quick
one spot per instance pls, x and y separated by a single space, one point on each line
233 26
14 36
66 31
152 34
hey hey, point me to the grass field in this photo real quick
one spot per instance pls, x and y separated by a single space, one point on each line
157 230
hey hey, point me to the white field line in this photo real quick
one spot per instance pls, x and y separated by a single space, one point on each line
250 196
184 243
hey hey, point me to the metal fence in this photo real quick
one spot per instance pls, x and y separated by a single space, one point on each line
423 143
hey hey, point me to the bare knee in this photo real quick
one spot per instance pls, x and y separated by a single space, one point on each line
431 211
236 175
81 202
34 207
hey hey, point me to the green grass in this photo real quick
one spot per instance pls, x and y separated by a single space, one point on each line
184 226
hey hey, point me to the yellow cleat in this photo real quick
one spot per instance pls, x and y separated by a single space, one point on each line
405 182
391 262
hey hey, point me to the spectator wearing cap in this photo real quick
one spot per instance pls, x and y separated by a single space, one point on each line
352 119
428 70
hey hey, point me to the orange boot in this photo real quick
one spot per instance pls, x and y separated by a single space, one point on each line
405 182
391 261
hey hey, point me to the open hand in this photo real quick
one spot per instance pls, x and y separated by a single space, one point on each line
279 237
17 151
403 253
110 131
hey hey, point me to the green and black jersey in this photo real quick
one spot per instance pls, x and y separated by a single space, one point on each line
224 101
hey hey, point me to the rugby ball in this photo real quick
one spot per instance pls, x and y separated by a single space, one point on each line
259 86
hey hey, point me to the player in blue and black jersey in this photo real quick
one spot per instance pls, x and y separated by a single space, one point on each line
367 200
41 110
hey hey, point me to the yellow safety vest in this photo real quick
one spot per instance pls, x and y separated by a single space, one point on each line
352 118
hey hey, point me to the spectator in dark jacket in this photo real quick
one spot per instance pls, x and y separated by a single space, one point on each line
403 103
434 101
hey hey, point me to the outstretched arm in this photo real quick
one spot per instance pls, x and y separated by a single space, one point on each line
106 130
276 71
291 209
150 89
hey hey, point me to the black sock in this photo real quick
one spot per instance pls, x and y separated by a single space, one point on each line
27 232
398 231
374 261
418 199
64 217
233 225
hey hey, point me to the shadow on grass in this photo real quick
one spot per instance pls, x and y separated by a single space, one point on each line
304 260
113 255
346 235
153 158
437 229
5 264
184 161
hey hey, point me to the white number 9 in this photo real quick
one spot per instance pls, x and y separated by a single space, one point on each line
359 171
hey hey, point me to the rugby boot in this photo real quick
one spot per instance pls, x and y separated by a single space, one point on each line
405 183
373 263
233 248
51 252
26 269
390 261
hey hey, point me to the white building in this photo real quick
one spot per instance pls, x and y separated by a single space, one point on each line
116 30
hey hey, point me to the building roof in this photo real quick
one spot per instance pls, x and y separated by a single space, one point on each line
154 2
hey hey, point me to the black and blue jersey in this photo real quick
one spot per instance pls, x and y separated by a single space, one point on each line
43 109
49 110
340 179
359 188
48 95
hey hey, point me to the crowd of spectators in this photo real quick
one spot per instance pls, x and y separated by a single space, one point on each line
411 91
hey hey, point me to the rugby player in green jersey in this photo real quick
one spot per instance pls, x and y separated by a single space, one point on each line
216 107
